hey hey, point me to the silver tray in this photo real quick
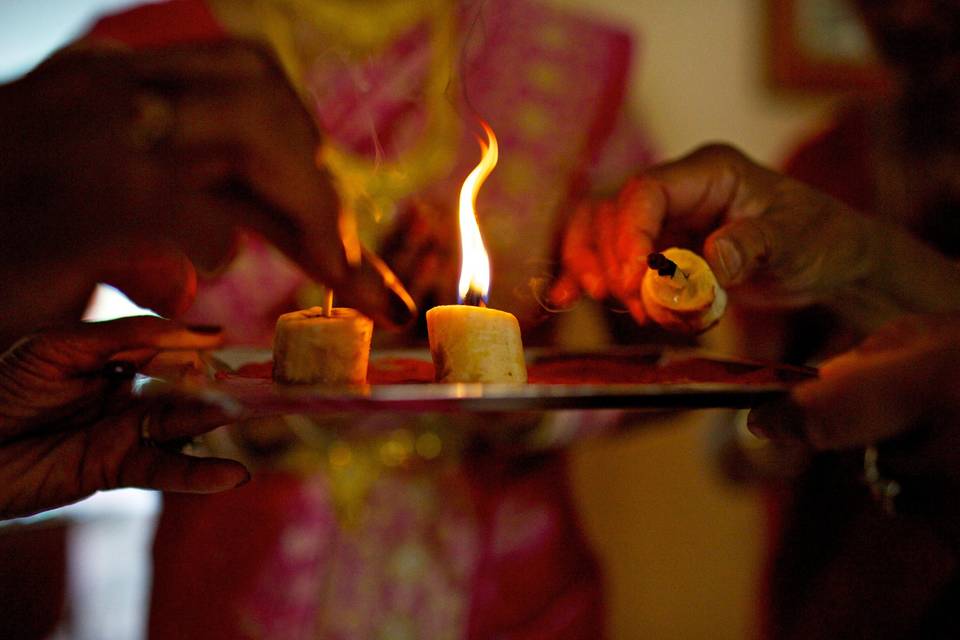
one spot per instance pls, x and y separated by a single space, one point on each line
259 396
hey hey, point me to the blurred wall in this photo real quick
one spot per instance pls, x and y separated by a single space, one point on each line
699 75
682 549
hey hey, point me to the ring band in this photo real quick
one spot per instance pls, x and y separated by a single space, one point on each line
145 438
152 123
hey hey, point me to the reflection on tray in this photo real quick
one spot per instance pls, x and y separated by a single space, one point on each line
404 381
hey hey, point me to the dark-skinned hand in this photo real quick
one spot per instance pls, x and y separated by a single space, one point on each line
136 167
67 430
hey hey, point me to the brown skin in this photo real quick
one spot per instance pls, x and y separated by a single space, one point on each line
66 431
84 198
903 374
770 239
773 241
87 196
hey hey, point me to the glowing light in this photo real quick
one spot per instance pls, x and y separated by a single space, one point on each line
475 264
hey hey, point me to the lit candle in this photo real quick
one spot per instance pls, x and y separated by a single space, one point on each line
322 345
468 341
680 291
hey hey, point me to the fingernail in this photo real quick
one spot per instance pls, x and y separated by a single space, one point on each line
776 420
206 329
731 261
119 370
756 429
244 481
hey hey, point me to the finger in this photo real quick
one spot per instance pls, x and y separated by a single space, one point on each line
695 192
639 218
285 196
579 253
86 348
636 309
863 398
780 420
51 470
563 293
153 275
263 178
371 287
213 63
156 468
274 185
739 250
170 419
207 231
605 226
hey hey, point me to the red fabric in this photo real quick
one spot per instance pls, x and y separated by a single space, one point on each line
837 161
536 578
210 549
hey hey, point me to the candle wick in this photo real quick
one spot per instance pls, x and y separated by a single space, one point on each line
474 299
328 304
663 265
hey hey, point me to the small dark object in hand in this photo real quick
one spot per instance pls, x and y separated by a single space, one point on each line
663 265
119 370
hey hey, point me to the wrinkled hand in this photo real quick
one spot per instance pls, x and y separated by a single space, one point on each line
66 431
904 375
770 240
132 167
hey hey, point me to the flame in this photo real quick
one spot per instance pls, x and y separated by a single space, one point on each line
475 264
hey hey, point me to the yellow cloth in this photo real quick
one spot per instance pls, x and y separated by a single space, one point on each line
354 31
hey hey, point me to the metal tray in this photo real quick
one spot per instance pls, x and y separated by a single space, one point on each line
578 381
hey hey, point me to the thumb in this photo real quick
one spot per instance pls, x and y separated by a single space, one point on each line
157 277
738 250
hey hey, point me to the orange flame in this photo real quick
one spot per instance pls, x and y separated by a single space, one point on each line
475 264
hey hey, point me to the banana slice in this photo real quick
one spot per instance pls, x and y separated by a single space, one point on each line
681 293
475 344
309 347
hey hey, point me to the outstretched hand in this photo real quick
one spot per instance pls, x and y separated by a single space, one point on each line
771 240
135 167
67 430
902 376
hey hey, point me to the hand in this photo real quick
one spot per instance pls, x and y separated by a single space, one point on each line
67 431
771 240
132 167
902 376
422 249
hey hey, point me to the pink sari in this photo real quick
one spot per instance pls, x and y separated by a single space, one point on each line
487 548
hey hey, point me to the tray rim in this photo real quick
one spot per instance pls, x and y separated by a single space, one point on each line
262 396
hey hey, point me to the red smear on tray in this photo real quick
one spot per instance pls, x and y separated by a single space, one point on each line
579 369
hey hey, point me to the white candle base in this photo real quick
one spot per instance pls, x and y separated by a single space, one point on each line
692 301
310 348
475 344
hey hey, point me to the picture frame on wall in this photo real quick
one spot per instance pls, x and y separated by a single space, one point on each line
822 46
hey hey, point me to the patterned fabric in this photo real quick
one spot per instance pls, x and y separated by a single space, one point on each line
474 546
